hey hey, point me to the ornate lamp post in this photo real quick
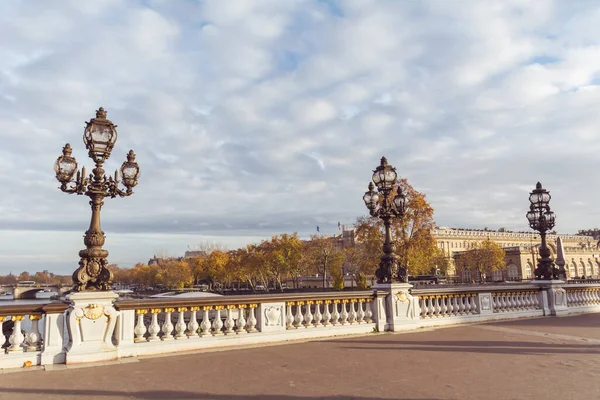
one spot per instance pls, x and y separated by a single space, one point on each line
99 136
542 219
381 204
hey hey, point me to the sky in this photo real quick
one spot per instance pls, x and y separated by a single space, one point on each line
254 118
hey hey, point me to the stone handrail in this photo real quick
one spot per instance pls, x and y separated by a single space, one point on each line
102 327
150 326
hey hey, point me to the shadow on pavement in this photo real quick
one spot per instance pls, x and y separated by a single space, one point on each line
519 348
184 395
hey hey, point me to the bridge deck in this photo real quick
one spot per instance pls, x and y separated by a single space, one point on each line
546 358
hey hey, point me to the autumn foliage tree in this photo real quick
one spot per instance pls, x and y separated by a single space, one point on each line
485 256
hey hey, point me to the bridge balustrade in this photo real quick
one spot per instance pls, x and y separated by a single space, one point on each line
37 334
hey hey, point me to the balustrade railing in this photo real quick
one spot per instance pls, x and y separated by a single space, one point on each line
583 296
221 317
515 300
447 305
37 334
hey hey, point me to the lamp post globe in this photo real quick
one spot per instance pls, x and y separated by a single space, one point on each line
381 204
99 137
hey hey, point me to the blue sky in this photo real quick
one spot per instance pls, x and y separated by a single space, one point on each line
253 118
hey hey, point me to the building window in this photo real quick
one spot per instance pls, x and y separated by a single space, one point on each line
467 275
572 271
588 270
497 275
528 271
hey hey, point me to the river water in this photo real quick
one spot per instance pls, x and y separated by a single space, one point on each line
41 298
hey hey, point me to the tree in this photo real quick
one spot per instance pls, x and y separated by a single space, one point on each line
325 259
415 246
285 254
24 276
485 256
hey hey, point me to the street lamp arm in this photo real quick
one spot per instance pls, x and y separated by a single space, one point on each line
114 190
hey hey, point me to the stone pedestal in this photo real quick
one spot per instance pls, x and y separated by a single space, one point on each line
91 321
554 297
401 309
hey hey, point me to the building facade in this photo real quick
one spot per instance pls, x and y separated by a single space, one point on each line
581 252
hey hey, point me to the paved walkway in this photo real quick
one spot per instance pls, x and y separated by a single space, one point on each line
544 358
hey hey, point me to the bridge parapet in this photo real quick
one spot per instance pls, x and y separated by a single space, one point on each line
166 325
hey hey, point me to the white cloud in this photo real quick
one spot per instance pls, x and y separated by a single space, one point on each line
268 116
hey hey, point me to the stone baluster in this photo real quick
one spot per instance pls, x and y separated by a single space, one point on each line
535 296
252 318
167 327
527 303
450 306
335 317
16 338
462 304
512 304
587 296
495 302
229 322
308 316
469 304
140 328
33 339
318 315
241 322
180 325
154 328
205 325
344 313
352 314
368 311
360 315
521 300
193 323
217 325
444 307
474 304
298 318
289 317
327 313
422 306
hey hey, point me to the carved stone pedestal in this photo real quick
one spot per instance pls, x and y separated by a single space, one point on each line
401 309
91 321
554 297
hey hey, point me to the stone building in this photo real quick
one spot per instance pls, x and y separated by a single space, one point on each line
581 252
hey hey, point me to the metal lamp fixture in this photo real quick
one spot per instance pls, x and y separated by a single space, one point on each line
542 219
99 136
381 204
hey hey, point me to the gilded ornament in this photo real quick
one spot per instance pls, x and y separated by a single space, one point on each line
141 311
242 306
169 309
35 317
17 318
253 305
181 309
93 311
206 308
194 308
155 310
2 318
402 297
